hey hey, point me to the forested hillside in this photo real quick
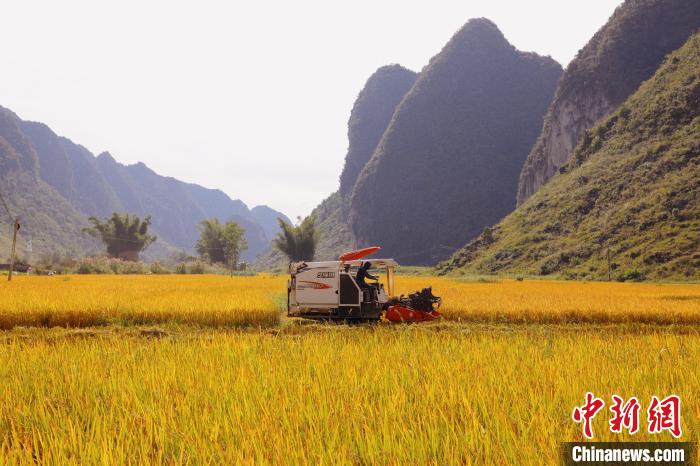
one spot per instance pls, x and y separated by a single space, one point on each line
55 184
47 219
630 193
370 116
619 57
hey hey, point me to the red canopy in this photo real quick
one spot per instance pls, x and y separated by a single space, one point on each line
358 254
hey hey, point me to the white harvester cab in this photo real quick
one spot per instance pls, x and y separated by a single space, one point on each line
328 290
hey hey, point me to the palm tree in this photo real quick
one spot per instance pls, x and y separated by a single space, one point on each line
221 242
125 236
298 243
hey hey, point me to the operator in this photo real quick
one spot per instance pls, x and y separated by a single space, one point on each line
362 274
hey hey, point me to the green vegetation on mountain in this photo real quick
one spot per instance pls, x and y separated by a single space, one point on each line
175 206
56 185
335 236
630 192
52 226
448 164
56 168
626 51
92 194
370 116
48 221
16 151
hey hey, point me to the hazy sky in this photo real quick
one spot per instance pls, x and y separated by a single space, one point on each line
249 97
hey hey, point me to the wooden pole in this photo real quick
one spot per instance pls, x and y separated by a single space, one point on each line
15 228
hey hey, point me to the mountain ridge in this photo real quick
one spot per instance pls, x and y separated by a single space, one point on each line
99 185
371 112
453 150
626 51
630 192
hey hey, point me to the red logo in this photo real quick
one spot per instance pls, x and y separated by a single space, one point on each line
662 414
316 285
587 412
665 415
625 415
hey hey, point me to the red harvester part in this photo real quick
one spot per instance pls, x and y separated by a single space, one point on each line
399 313
358 254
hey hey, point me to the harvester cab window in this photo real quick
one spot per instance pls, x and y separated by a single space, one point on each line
349 291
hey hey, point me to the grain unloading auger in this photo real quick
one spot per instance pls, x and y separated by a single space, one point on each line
330 291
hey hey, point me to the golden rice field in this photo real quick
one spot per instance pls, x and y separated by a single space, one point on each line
207 370
328 395
566 302
90 300
220 301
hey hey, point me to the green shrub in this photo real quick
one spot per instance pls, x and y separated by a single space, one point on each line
197 267
632 276
105 265
131 268
158 269
84 269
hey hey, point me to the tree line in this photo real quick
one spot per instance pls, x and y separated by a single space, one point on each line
125 236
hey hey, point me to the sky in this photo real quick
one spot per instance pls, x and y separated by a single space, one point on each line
252 98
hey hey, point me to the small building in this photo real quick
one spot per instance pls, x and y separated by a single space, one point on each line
19 267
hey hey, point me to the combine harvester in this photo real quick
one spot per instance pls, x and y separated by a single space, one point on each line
329 291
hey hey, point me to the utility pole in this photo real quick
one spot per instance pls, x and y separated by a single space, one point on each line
15 229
